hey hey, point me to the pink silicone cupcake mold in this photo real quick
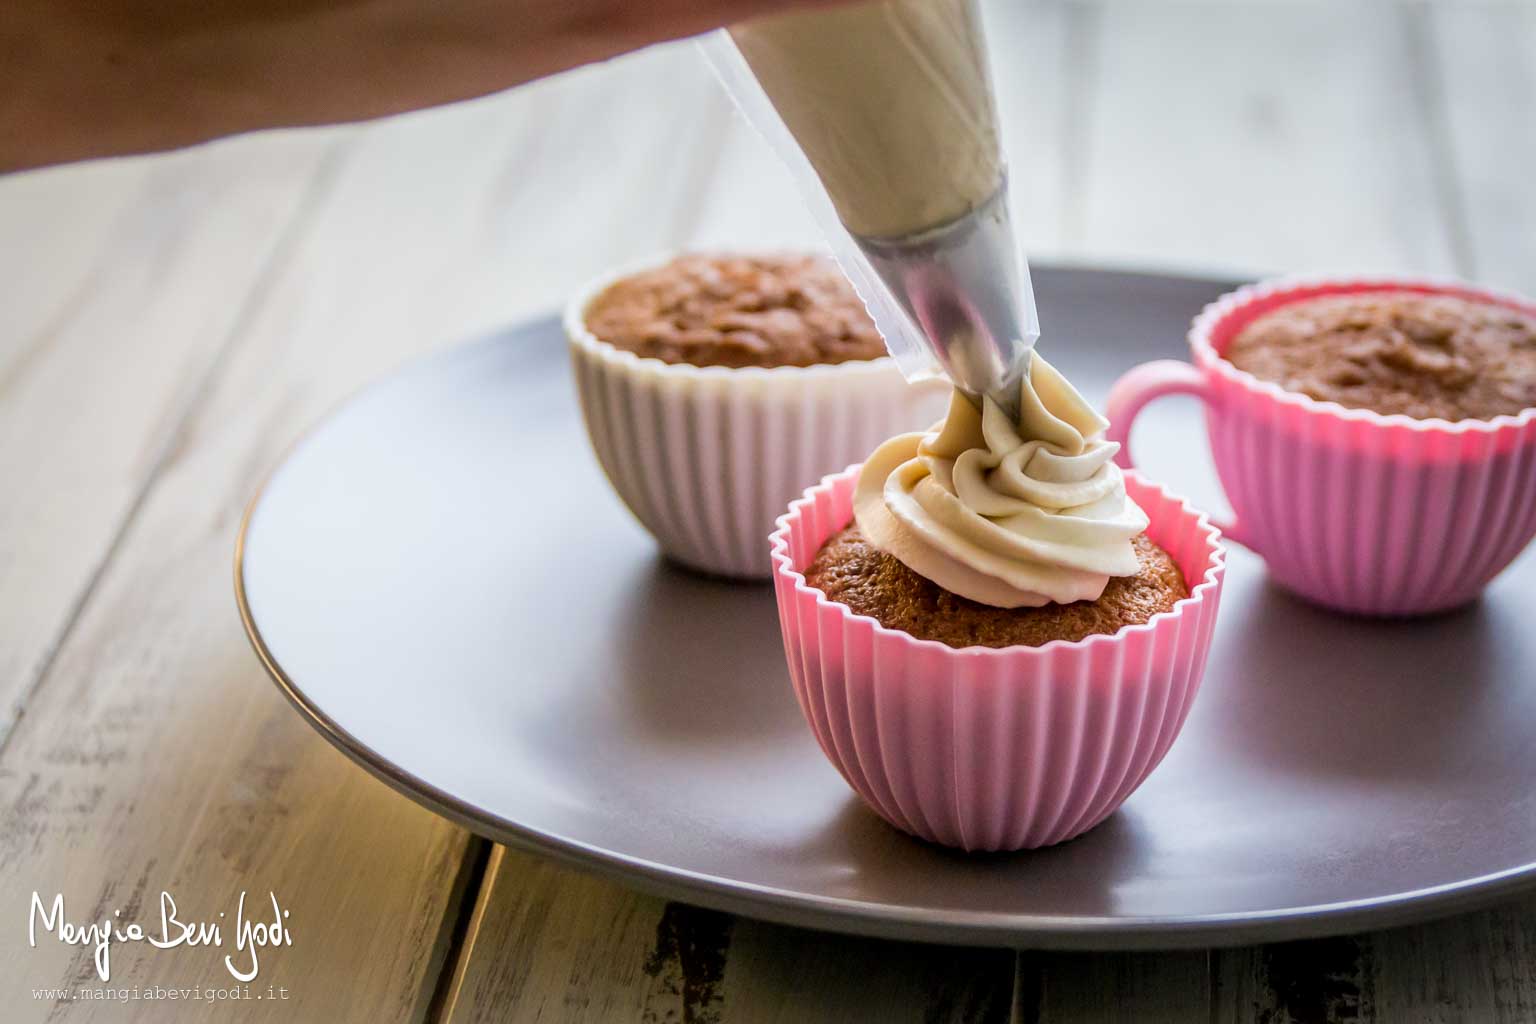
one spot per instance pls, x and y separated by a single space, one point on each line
1359 511
993 749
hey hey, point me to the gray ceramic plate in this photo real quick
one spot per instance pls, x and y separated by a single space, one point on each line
442 582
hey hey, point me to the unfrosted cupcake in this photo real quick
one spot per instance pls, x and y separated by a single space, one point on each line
1375 436
994 634
716 386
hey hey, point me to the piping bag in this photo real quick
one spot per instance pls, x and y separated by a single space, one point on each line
884 114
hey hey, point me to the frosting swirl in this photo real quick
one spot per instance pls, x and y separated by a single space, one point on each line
1006 514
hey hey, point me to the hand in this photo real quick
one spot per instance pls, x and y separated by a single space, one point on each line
85 78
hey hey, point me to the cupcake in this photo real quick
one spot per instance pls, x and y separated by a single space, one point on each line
993 632
716 386
1375 436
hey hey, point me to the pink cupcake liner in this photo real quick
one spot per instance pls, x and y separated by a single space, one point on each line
707 457
1362 512
983 748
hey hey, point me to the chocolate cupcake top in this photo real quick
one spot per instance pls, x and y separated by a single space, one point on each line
1424 356
737 311
852 571
1006 513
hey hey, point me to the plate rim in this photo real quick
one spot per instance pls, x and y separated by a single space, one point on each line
1067 932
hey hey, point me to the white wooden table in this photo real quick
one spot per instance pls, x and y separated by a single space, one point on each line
171 324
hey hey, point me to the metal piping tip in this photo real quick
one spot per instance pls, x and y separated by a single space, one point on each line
960 284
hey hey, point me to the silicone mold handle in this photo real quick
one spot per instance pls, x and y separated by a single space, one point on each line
1141 385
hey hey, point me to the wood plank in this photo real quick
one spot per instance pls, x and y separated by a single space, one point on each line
1099 988
552 944
1476 967
1321 980
56 224
155 755
1472 967
786 975
121 282
1484 59
549 944
1274 137
155 758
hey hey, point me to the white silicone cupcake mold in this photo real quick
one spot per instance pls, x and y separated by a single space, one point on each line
707 457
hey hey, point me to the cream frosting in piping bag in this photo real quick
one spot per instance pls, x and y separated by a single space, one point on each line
1006 514
890 101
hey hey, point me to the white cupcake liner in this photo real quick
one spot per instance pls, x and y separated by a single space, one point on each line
708 457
